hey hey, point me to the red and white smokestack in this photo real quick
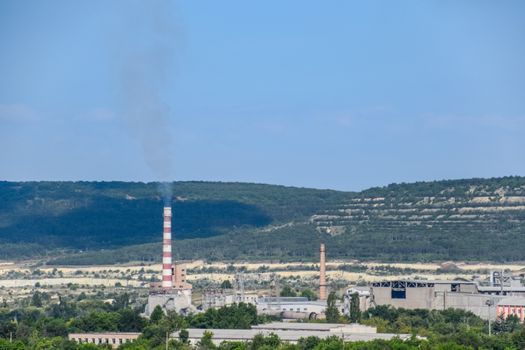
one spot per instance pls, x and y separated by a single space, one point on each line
322 273
167 281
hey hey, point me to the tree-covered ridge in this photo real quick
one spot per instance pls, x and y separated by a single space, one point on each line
471 219
511 185
456 219
94 215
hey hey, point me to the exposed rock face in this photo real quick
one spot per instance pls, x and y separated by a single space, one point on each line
424 211
443 218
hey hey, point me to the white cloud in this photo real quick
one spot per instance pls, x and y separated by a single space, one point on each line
17 112
102 114
498 122
97 115
271 126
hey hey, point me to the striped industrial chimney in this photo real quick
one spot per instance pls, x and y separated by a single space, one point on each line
322 273
167 280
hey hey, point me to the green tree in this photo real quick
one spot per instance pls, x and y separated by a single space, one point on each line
206 342
518 338
157 314
139 344
308 293
121 301
184 335
155 334
238 316
55 327
332 312
97 321
260 342
287 291
36 299
6 345
308 343
506 325
130 320
355 312
226 284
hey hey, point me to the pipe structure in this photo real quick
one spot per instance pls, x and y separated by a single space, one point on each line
167 280
322 273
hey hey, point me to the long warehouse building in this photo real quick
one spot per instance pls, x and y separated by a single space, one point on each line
441 295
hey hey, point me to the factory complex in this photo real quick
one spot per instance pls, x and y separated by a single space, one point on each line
502 297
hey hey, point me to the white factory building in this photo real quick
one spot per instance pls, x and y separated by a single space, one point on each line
291 332
291 307
485 301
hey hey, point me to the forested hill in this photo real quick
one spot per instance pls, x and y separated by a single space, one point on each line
475 219
36 217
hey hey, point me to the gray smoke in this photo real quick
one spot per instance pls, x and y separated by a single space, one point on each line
145 65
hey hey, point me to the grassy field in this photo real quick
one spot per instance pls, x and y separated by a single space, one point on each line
26 274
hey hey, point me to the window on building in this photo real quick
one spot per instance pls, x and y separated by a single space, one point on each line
399 293
454 287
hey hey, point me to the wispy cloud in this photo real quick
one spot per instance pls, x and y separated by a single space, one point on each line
497 122
345 120
387 120
273 127
99 115
359 117
17 113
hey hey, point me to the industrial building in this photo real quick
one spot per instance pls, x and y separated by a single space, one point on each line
292 332
441 295
219 298
291 307
174 293
299 307
115 339
513 306
362 294
286 331
287 307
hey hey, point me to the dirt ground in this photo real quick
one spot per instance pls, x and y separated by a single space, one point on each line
127 274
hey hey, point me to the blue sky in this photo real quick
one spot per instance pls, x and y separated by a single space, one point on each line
331 94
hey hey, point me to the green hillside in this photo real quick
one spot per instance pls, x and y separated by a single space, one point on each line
474 219
41 217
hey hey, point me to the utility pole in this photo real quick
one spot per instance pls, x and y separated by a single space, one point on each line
501 281
489 303
241 285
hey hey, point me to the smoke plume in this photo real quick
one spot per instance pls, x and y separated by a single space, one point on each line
145 65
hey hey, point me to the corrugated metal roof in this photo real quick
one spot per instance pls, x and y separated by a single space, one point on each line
512 301
291 335
314 326
497 289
